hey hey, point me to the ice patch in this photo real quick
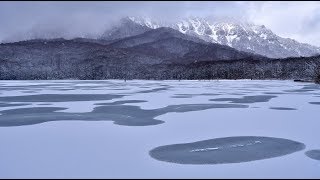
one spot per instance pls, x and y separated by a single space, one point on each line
242 149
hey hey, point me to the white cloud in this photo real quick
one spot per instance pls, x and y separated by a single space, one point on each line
288 19
298 20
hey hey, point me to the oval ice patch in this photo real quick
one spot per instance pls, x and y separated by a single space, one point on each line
226 150
314 154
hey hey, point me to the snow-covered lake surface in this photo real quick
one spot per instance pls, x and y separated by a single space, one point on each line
159 129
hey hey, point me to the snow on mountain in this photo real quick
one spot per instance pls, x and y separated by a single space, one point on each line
245 37
144 21
242 36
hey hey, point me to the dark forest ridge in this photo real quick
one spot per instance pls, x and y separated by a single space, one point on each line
162 53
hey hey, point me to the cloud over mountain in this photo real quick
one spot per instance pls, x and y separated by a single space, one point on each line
25 20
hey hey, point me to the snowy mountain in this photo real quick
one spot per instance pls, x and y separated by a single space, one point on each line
242 36
245 37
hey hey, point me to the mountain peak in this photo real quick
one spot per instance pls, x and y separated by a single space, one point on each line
143 21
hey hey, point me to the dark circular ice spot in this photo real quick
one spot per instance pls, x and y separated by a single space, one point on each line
29 91
226 150
282 108
315 103
247 99
314 154
298 90
60 97
153 90
275 93
194 95
32 110
122 102
9 105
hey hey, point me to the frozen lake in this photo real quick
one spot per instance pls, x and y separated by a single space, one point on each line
159 129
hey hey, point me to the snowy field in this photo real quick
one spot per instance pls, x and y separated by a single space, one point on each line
159 129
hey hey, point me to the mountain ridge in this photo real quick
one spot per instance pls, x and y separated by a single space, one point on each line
240 35
160 53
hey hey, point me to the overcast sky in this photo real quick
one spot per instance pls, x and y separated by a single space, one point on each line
21 20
